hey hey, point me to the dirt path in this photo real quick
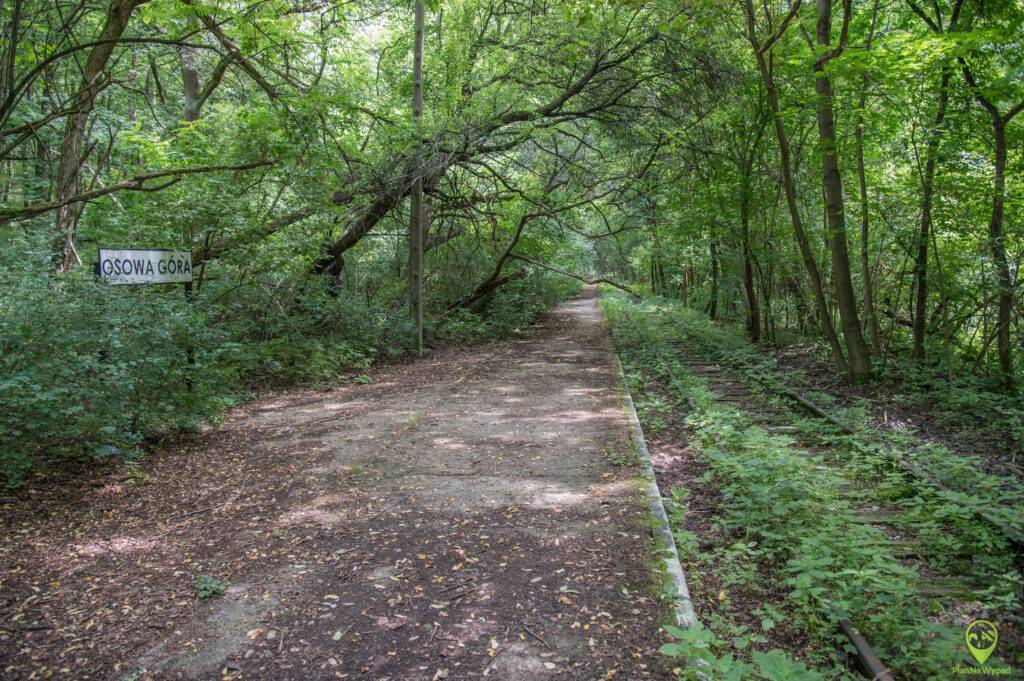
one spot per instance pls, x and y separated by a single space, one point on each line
462 516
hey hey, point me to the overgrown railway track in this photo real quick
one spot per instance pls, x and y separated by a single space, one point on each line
731 389
944 542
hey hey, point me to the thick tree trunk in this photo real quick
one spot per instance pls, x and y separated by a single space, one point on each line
857 349
9 38
196 95
190 80
65 253
923 236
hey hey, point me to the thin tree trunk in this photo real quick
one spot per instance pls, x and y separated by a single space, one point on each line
865 226
753 322
133 76
42 174
857 349
713 304
865 264
923 237
416 218
947 330
996 239
998 246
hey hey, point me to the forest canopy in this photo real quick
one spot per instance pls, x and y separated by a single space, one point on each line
845 173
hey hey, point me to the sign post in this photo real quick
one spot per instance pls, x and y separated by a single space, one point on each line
133 266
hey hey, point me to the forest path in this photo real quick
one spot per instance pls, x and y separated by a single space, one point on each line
462 516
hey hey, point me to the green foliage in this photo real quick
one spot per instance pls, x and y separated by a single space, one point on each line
91 370
86 369
208 587
696 647
790 522
297 359
511 312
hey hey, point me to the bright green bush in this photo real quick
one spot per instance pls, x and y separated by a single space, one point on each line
87 368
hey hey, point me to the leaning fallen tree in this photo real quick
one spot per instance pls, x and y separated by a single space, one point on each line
485 290
433 158
585 280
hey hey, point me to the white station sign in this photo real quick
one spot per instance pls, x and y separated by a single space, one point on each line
138 266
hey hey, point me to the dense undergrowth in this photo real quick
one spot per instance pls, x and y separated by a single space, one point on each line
789 522
91 370
975 409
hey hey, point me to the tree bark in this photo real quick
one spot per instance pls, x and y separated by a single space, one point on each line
753 322
190 80
998 246
436 240
996 238
196 95
713 303
923 237
865 224
11 38
856 347
43 172
65 253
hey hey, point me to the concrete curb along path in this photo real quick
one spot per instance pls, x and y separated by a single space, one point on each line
682 605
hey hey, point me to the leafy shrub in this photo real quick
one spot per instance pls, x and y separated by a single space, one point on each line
295 359
87 368
92 370
697 646
208 587
511 311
